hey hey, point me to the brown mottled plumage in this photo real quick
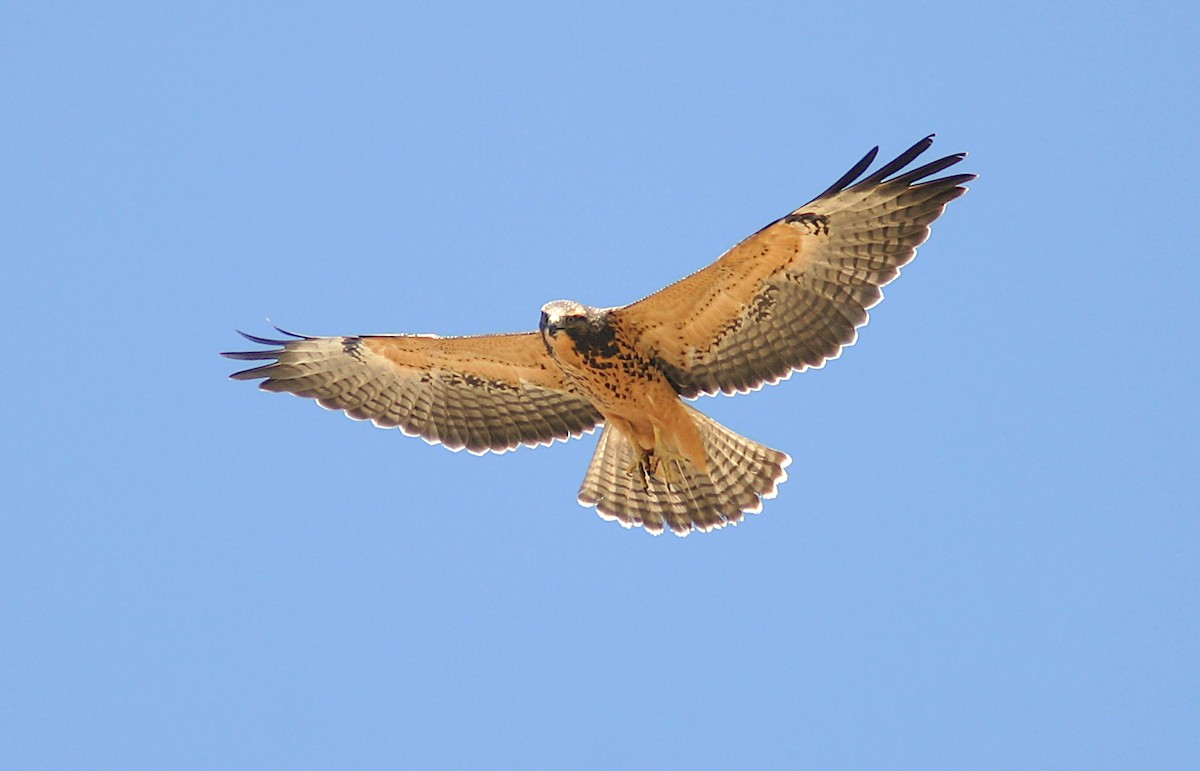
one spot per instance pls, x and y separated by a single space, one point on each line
789 297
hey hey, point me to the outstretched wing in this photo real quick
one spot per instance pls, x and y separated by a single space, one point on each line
491 392
793 294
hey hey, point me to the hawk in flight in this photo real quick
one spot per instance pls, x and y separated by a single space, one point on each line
787 298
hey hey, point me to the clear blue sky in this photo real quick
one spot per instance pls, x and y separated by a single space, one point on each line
985 556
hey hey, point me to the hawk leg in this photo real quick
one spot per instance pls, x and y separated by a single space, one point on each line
661 460
642 466
657 462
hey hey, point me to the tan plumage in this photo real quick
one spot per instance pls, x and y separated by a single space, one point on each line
789 297
742 474
492 392
792 295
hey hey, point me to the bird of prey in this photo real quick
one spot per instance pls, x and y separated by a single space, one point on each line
787 298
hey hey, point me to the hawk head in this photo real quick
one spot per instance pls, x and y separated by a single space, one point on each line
566 323
563 316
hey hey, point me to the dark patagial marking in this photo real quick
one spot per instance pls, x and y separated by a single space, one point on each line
352 346
764 301
817 224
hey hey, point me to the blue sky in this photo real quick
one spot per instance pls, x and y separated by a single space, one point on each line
985 555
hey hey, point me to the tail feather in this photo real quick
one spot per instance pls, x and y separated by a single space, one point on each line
742 473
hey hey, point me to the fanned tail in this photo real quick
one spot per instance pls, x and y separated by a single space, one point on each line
742 473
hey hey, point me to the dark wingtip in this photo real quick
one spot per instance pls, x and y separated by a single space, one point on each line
262 340
855 172
296 335
265 341
272 353
251 355
900 162
905 158
958 179
928 170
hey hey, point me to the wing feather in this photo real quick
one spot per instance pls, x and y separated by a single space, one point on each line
492 392
794 294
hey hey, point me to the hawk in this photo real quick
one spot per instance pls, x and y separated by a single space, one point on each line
787 298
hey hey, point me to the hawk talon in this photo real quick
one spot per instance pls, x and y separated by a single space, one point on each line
663 469
661 458
655 464
642 468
